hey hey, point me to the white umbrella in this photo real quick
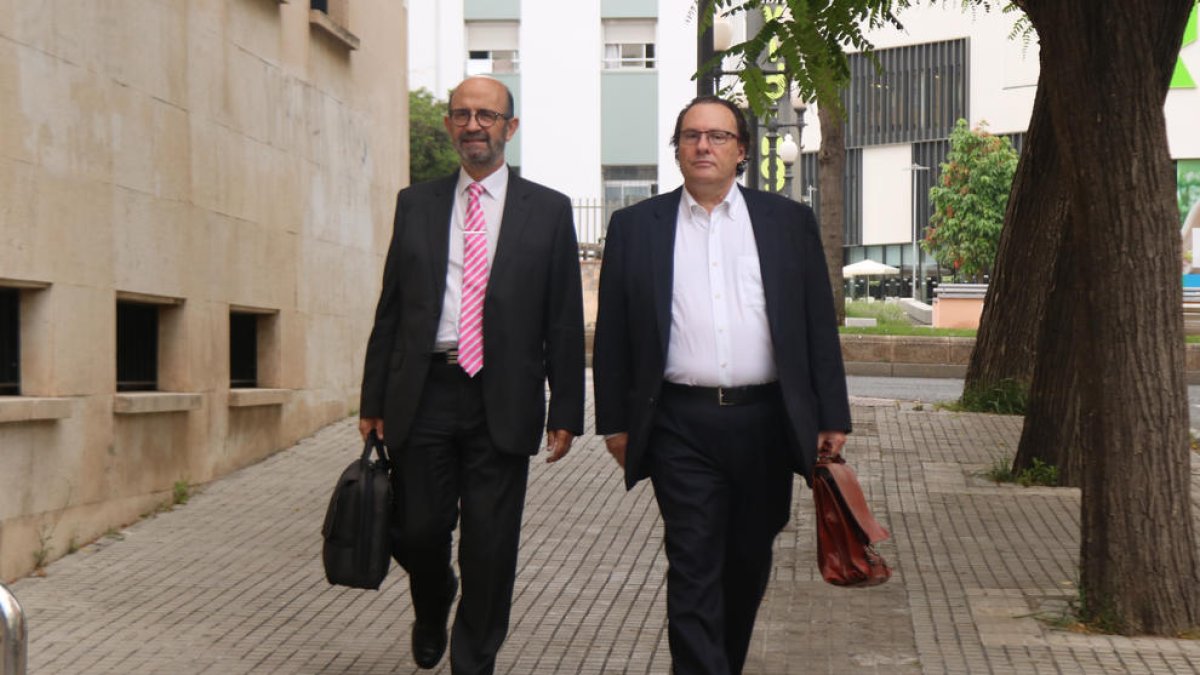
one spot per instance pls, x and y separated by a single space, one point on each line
867 268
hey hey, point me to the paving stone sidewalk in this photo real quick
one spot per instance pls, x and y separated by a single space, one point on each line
232 582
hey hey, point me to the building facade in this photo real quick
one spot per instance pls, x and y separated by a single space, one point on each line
194 201
598 84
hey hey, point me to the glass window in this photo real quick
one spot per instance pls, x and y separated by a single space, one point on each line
492 47
10 352
137 346
243 350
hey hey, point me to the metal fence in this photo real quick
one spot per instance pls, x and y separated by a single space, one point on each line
591 220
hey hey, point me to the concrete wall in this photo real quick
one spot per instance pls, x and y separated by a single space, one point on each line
203 155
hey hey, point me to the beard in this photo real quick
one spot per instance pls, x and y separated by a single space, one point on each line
483 156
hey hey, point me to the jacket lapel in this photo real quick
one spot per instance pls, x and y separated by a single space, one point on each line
662 261
437 231
513 224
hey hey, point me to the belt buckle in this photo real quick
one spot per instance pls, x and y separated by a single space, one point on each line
452 357
721 400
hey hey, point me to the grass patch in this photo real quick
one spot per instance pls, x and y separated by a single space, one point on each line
1040 473
1001 471
181 492
1006 397
884 313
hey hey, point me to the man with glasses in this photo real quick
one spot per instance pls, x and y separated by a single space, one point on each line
718 373
481 304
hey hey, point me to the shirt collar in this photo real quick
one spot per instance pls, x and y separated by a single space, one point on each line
733 198
494 184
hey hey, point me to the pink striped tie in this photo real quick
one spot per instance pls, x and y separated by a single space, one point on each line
475 276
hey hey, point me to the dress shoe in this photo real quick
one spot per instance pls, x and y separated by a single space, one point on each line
429 640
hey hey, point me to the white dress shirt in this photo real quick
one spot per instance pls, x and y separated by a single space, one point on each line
719 331
495 188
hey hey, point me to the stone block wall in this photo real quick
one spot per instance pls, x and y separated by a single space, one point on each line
203 157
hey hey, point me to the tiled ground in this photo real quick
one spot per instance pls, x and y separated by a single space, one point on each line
232 582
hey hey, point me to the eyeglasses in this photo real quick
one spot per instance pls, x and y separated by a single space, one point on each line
461 117
715 136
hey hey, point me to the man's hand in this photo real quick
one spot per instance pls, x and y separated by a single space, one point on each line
558 442
366 424
616 444
830 443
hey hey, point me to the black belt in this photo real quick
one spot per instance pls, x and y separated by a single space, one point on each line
723 396
449 357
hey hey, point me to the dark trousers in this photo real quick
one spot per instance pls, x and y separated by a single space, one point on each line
723 483
448 462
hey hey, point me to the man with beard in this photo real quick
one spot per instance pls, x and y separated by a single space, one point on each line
481 304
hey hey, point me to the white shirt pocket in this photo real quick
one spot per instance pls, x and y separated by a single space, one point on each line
749 282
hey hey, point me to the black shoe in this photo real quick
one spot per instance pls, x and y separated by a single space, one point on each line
429 640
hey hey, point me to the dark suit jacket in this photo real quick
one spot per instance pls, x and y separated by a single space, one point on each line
634 322
532 315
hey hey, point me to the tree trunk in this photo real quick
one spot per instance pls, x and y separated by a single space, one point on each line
1051 433
1035 282
1012 314
1106 65
831 191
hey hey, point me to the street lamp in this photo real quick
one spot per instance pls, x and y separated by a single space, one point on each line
916 229
788 149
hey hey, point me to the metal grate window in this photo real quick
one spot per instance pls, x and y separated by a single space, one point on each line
918 95
1017 139
10 345
932 155
852 235
137 346
243 349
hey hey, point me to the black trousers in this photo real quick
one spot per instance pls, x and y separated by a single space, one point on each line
723 483
450 472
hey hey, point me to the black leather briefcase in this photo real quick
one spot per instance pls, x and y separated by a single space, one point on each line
358 546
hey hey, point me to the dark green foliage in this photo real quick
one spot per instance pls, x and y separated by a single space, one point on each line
430 153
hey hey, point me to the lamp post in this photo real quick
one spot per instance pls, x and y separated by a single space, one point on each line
787 150
714 39
916 229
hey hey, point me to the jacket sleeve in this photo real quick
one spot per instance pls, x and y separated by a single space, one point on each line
825 346
387 318
564 346
611 357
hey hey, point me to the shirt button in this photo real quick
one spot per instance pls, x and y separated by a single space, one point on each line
723 365
717 296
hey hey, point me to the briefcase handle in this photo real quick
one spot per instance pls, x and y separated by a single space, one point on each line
373 443
848 487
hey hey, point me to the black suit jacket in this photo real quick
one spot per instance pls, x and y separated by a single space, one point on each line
634 322
532 315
